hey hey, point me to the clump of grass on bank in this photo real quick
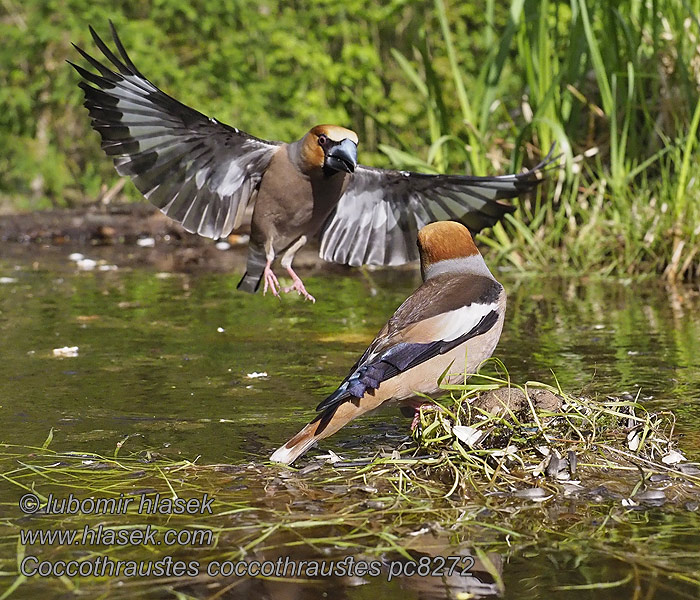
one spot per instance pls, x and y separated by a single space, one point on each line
535 441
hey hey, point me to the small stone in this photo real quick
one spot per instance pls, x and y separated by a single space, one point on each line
544 400
499 402
536 494
504 400
86 264
653 497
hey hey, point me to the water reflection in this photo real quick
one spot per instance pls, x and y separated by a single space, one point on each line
426 575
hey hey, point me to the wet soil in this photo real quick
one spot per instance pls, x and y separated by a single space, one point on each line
137 235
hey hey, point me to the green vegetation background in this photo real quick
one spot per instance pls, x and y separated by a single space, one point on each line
477 87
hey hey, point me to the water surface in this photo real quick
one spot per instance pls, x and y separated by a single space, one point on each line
164 361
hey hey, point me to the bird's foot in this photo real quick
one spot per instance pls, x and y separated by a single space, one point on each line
427 407
271 282
298 286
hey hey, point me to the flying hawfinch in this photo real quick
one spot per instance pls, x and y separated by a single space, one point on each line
203 174
451 322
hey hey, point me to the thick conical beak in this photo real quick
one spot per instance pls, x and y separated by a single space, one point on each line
342 157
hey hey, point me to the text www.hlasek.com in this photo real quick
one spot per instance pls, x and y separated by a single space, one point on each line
108 536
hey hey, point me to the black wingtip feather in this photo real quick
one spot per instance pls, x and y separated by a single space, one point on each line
547 165
122 50
123 69
325 418
335 399
107 74
87 75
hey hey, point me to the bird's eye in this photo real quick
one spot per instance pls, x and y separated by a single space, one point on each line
322 139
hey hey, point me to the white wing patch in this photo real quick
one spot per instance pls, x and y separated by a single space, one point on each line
449 325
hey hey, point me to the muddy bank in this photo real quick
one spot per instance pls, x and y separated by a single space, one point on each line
132 235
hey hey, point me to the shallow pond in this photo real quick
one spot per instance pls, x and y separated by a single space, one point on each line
164 365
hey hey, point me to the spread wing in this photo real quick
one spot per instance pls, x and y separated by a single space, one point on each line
198 171
377 219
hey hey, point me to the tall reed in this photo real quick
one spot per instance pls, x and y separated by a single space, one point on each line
615 85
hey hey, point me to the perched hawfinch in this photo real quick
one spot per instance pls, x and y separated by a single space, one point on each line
204 174
451 322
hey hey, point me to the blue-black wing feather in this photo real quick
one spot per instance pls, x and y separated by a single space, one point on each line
397 359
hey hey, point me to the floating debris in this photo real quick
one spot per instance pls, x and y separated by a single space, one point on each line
8 280
147 242
689 469
332 457
223 246
220 329
535 494
672 458
652 497
66 352
75 257
256 375
468 435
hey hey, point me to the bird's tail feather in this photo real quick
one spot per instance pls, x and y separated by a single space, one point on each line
255 267
325 424
250 283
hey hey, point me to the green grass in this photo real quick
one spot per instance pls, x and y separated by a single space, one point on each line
615 85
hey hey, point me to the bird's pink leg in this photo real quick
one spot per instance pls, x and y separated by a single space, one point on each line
427 406
270 280
297 285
